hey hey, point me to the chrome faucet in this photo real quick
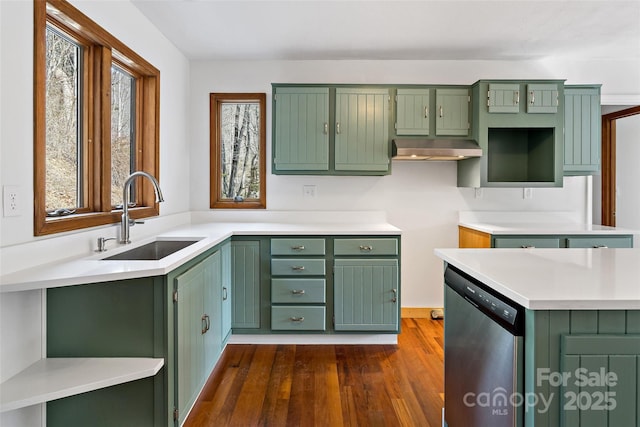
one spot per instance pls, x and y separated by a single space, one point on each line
126 222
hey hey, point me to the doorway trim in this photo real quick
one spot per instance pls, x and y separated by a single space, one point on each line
609 162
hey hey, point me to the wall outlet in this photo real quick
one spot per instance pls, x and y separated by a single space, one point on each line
10 200
478 193
527 193
309 191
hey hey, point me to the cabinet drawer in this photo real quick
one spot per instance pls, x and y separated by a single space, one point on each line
526 242
297 247
297 267
365 247
597 242
297 318
298 290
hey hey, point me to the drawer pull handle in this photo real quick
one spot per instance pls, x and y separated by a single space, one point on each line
297 319
600 246
298 248
225 293
298 268
367 248
527 246
297 291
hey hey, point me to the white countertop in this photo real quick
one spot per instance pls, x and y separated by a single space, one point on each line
545 228
91 269
556 279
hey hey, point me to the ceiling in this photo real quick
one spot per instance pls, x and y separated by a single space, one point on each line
398 29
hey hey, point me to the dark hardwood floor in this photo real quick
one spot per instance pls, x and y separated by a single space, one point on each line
329 385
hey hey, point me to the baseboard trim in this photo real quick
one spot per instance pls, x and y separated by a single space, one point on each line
418 312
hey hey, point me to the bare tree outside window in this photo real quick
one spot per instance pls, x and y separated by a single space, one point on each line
122 132
63 136
238 151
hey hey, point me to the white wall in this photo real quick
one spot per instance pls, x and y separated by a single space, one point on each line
627 172
21 313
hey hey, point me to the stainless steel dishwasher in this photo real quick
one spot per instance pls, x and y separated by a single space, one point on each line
483 355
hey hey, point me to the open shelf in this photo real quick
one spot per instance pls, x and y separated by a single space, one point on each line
521 155
55 378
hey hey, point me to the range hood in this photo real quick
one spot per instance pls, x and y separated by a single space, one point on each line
435 149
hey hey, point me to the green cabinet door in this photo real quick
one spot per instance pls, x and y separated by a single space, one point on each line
452 111
542 98
366 294
212 311
301 128
225 252
245 268
362 129
412 112
582 134
197 346
503 98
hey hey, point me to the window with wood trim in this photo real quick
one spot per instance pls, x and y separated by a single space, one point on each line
238 150
96 114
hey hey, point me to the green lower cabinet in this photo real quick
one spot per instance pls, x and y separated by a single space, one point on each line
198 345
245 269
110 319
366 294
227 305
562 241
583 366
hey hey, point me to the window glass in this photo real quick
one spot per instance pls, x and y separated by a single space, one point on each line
240 151
122 132
63 129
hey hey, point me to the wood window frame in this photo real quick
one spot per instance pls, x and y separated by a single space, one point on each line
215 148
102 49
609 163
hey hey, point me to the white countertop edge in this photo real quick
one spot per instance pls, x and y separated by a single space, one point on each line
546 228
55 378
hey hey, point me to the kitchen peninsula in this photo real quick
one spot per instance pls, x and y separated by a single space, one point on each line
156 327
582 315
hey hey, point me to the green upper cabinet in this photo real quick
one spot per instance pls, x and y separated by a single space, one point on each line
331 130
542 98
362 129
582 134
503 98
520 149
301 130
452 115
412 112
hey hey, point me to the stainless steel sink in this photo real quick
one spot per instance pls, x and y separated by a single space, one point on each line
152 251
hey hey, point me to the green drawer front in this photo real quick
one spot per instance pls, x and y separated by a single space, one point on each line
597 242
365 247
297 247
526 242
297 318
297 267
298 290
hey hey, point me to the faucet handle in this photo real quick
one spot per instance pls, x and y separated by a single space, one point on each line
102 243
